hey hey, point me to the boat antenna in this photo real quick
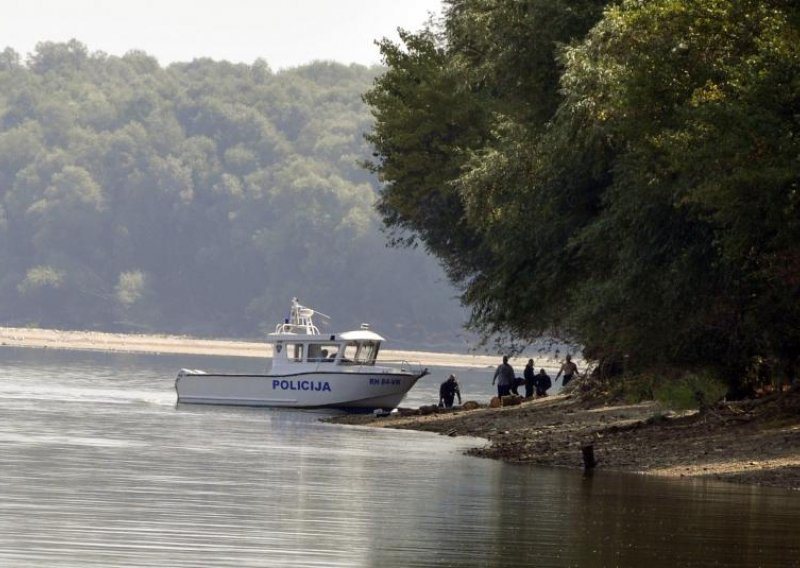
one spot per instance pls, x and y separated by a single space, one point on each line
296 304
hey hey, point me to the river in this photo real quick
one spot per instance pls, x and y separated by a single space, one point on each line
100 467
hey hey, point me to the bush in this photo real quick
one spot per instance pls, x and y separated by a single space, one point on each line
690 392
633 389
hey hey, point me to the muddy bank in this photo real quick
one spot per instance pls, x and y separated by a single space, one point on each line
753 443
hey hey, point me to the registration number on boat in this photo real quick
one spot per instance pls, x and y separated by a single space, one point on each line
384 381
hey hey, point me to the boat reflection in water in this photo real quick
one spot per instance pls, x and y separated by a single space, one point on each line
310 370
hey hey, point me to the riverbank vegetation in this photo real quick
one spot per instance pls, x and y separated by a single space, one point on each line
621 174
197 198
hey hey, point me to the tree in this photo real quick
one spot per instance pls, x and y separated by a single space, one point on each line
644 204
694 97
425 125
461 134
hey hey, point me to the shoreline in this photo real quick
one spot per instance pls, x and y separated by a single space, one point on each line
738 443
750 443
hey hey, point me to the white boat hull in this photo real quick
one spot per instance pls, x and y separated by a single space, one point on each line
365 389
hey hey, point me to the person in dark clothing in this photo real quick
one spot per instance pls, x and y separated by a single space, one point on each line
542 382
504 376
529 378
448 391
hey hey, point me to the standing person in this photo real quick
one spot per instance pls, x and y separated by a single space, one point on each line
569 369
542 382
504 376
529 378
448 391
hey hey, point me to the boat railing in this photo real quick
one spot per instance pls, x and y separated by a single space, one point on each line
404 365
300 320
302 329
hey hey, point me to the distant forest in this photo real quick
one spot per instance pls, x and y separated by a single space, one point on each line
197 198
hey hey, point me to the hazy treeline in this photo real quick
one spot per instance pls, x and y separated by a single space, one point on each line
623 173
195 198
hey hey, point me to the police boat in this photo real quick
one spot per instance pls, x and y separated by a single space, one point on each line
310 370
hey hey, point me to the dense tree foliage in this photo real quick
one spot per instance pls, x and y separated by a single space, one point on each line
624 174
196 198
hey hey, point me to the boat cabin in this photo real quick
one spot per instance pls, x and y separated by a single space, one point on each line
350 348
297 340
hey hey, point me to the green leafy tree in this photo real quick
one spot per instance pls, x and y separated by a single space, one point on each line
425 125
693 97
464 149
629 179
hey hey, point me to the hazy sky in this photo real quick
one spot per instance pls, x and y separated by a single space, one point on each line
285 33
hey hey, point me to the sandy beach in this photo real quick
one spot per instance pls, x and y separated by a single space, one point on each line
749 442
133 343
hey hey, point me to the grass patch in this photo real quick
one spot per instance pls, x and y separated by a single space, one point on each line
692 391
687 391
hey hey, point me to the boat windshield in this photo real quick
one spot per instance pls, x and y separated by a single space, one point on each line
311 352
361 352
322 352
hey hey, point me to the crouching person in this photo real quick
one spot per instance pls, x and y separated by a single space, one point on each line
448 391
542 382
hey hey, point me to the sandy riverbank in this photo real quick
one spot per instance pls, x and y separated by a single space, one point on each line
133 343
756 444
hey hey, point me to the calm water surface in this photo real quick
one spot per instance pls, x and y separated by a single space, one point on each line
98 467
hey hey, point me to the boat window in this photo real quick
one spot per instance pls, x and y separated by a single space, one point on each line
362 352
294 351
322 353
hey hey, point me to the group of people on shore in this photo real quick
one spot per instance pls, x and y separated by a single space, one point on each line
508 383
538 384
